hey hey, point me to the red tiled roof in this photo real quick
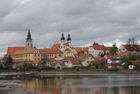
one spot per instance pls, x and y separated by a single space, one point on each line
25 51
67 44
75 62
60 62
106 48
50 51
114 64
56 46
83 57
67 49
108 56
133 48
123 53
98 47
12 50
68 58
78 49
100 60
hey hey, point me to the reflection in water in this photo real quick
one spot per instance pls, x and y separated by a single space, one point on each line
120 84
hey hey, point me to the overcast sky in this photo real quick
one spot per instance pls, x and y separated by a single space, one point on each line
88 21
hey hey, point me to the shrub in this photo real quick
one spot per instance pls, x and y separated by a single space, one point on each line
93 67
137 67
113 69
121 68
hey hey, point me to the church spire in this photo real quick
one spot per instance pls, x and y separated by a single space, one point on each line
62 38
29 35
69 38
29 42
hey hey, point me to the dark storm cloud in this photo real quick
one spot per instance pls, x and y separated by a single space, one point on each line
103 21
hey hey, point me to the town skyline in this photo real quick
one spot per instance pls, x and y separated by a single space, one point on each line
69 46
118 43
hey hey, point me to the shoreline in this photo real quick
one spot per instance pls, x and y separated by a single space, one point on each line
43 73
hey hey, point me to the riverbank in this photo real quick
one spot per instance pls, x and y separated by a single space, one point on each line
66 72
86 72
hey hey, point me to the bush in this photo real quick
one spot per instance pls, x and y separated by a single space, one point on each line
93 67
137 67
121 68
113 69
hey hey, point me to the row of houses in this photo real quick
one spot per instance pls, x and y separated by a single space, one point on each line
126 51
67 56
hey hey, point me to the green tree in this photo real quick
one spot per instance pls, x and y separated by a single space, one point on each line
127 60
80 52
8 61
113 50
53 63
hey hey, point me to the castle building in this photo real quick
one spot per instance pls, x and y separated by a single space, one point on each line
26 53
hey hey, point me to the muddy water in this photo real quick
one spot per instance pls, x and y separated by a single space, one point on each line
70 83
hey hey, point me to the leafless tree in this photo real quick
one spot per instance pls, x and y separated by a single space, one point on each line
131 42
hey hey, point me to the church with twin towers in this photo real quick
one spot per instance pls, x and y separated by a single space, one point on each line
62 46
29 53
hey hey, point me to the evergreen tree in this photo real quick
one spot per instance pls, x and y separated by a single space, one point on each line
113 50
8 61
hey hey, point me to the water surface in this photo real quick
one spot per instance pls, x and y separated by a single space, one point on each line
70 83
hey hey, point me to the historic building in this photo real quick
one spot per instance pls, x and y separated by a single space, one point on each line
29 42
25 54
65 46
97 50
58 52
28 53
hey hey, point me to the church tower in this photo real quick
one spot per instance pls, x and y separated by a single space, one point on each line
69 40
29 42
62 42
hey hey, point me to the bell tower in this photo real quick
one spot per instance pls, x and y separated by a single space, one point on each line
62 42
29 42
69 40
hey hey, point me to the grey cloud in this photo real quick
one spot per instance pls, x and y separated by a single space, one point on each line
103 21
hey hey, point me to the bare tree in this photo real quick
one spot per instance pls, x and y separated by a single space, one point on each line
131 42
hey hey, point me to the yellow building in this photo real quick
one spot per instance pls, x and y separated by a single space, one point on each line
30 54
25 54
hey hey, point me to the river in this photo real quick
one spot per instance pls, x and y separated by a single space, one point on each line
70 83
